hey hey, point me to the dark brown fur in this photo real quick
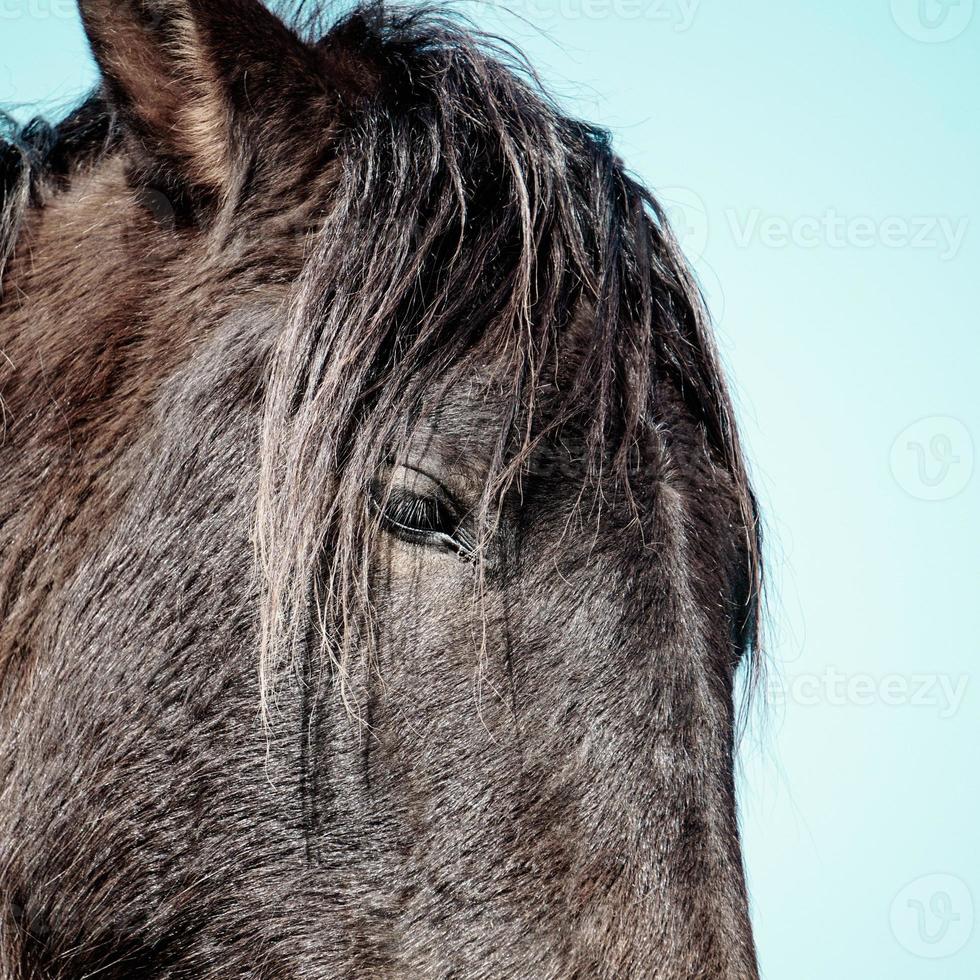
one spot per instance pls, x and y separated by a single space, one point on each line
251 726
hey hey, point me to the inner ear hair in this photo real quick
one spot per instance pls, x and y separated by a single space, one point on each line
193 80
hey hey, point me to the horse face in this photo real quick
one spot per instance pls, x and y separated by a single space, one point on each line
504 554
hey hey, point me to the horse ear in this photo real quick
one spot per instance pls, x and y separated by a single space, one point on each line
194 79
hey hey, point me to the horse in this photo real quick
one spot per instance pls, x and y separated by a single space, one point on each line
378 558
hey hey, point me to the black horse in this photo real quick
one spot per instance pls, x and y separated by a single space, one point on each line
376 548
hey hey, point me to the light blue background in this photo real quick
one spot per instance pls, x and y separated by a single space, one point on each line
763 124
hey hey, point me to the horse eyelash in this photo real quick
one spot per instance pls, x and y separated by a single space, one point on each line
417 517
412 511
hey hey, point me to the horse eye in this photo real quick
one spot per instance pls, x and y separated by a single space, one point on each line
421 516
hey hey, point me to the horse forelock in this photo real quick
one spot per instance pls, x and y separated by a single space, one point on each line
475 230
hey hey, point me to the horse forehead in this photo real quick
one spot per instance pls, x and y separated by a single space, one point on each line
460 436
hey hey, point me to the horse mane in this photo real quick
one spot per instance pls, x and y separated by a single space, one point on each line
18 171
35 155
472 223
